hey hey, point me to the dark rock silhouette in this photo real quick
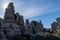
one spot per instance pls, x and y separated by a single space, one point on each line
56 25
13 27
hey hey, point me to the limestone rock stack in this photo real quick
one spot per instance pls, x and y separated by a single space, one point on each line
13 24
9 13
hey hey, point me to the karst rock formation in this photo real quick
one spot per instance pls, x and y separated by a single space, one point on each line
13 24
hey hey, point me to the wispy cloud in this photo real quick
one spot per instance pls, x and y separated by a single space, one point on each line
31 8
30 12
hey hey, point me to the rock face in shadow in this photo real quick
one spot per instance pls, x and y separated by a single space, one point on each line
56 25
13 27
37 37
9 13
12 24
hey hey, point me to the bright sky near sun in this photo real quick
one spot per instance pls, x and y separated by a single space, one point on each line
4 6
45 10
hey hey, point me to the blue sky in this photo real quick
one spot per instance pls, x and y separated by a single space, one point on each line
45 10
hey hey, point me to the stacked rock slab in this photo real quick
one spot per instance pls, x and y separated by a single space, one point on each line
9 13
19 19
34 27
28 27
13 24
10 26
56 25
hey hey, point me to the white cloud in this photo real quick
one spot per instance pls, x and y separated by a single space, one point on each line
31 12
36 11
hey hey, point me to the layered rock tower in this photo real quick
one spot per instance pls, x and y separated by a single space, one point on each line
9 13
13 24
